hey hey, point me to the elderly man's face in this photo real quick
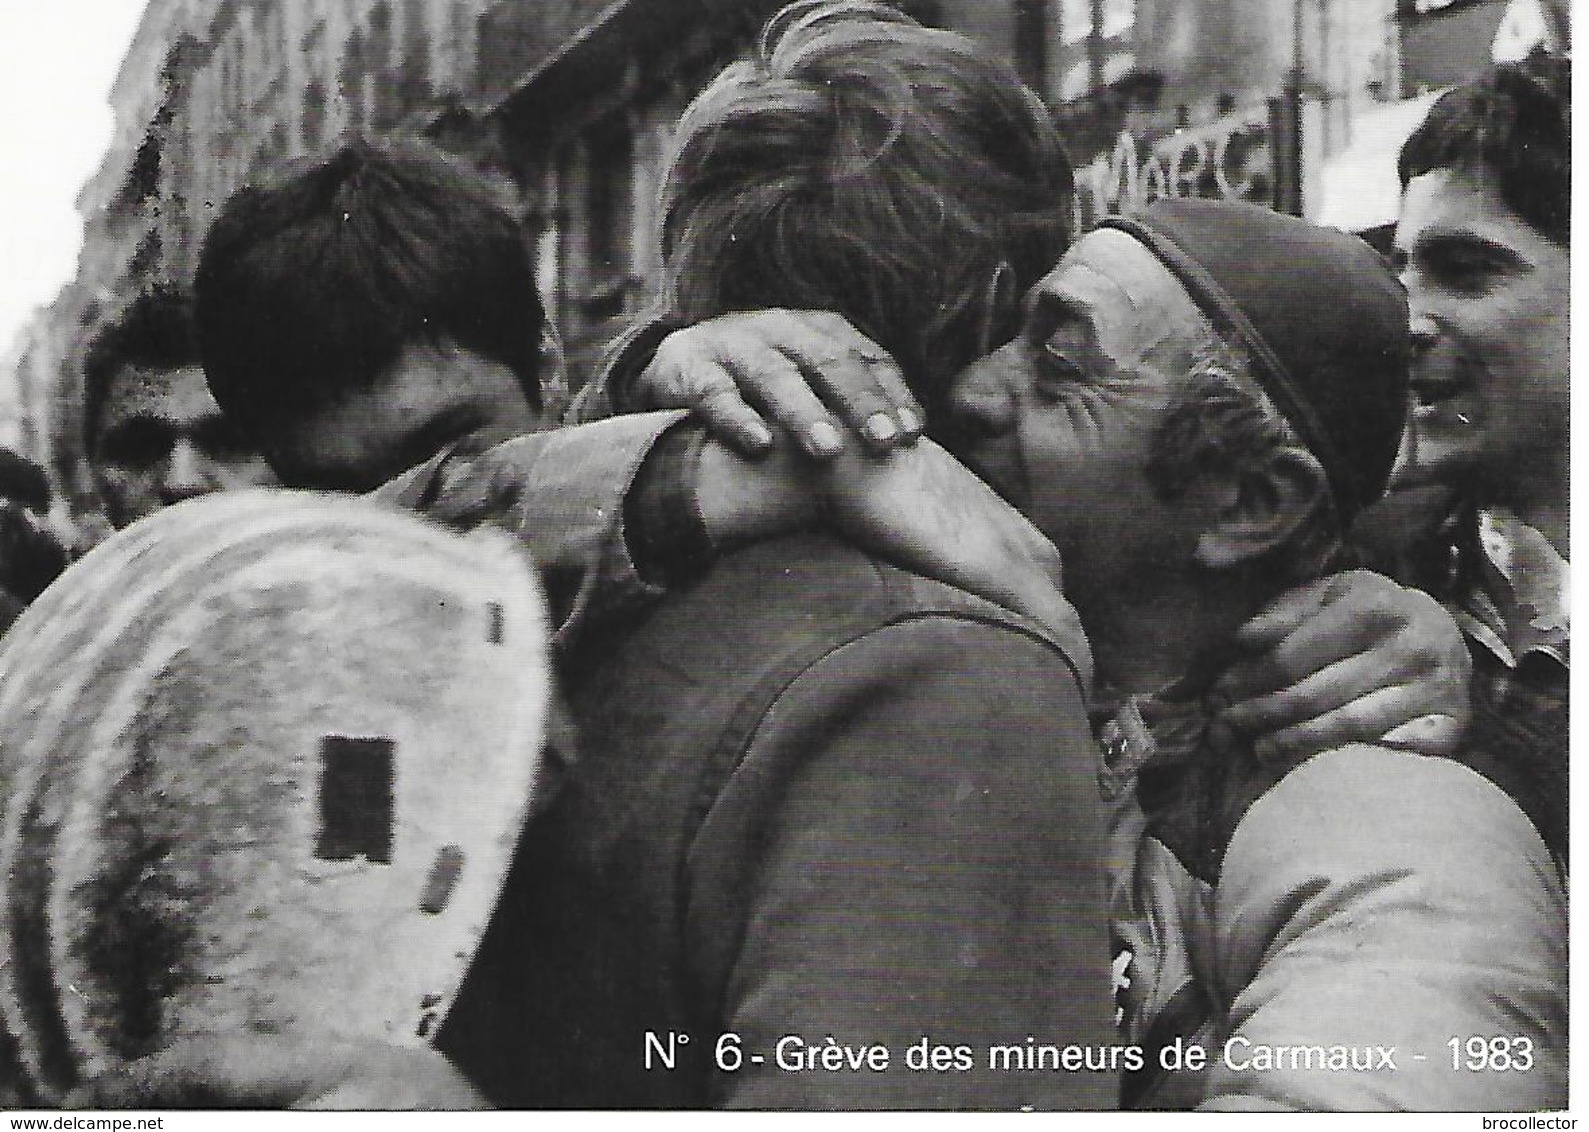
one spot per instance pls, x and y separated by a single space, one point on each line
1488 296
161 438
1062 420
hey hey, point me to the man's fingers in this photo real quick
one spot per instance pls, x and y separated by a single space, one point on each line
1281 617
1332 634
728 418
849 386
1318 624
682 371
1331 688
777 388
809 373
1434 734
684 376
885 370
859 381
1364 720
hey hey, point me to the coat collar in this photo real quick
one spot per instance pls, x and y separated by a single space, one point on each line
1514 599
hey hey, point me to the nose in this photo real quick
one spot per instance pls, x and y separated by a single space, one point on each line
1424 332
187 473
1422 325
982 401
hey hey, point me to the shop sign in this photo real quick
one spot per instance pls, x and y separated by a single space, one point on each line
1230 159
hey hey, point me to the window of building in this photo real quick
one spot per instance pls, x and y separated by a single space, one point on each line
1118 18
350 78
313 45
312 124
414 69
275 32
143 175
1075 21
611 148
1097 44
380 39
145 262
385 108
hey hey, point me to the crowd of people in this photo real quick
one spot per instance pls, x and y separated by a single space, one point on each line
963 638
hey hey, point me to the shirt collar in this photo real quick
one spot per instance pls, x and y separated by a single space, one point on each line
1515 599
1166 728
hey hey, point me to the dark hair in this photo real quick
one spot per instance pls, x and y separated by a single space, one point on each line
309 289
23 481
155 331
1513 125
865 164
30 556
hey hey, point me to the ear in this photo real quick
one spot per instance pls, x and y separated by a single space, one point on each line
1257 509
999 314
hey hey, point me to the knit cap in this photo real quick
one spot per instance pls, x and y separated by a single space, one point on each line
1320 315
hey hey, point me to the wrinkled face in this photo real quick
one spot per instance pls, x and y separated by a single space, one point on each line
434 394
1062 419
1488 297
161 438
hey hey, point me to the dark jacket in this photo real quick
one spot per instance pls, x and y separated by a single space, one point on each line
816 796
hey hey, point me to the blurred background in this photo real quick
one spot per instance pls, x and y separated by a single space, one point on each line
1297 104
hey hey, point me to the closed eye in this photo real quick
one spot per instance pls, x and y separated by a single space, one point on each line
1056 372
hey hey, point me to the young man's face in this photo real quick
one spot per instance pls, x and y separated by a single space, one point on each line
1488 296
161 438
435 394
1063 419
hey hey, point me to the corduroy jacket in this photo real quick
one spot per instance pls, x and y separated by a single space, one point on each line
819 802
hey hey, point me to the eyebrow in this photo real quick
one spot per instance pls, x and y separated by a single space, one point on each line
1441 241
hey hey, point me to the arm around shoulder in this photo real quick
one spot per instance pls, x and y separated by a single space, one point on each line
561 493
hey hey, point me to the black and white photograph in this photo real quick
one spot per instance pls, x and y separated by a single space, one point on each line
933 556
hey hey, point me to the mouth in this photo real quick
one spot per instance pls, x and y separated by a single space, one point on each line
1444 395
1445 423
1437 388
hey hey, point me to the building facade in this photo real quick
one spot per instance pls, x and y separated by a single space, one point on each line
1292 103
1249 99
211 93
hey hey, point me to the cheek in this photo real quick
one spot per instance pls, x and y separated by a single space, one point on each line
244 473
1103 433
1088 475
127 483
128 493
1525 355
1517 327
